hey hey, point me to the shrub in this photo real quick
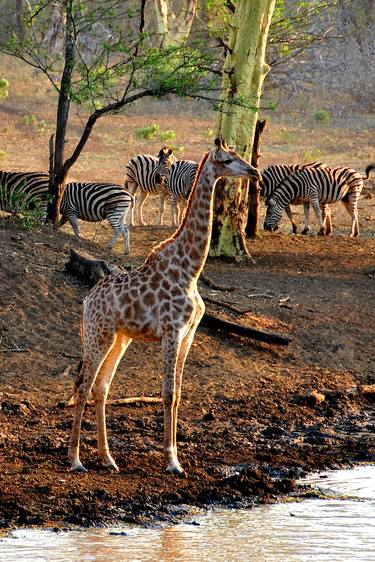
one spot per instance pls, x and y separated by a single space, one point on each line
4 88
167 136
28 213
322 115
148 132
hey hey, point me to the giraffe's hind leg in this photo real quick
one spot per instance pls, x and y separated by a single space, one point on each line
93 358
100 392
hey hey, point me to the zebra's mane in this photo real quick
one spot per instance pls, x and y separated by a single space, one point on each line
150 258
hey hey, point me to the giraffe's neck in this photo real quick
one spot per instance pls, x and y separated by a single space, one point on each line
194 237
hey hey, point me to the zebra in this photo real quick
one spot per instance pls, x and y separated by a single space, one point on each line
273 175
319 186
148 174
24 190
179 181
95 202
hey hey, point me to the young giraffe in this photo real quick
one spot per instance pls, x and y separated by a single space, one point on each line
159 301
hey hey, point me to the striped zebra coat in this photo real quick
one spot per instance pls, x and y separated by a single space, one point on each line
318 186
148 174
95 202
272 176
179 182
24 190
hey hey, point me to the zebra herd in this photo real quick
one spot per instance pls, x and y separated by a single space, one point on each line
281 186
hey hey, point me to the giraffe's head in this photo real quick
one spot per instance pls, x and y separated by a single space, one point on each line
230 164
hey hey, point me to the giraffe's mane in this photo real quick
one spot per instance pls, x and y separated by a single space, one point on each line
150 258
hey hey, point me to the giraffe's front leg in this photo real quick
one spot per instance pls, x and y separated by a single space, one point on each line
88 374
171 343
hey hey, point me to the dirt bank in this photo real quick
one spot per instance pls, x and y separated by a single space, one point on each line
253 416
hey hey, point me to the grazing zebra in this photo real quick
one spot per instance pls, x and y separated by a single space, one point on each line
273 175
319 186
23 190
179 182
95 202
148 174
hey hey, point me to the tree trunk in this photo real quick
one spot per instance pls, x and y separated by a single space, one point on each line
59 171
244 72
253 210
173 20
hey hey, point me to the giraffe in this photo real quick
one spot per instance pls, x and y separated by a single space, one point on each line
158 301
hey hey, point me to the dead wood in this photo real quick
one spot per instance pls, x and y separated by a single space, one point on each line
208 281
215 323
92 270
122 401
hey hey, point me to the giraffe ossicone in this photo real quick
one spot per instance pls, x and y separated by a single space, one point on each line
158 301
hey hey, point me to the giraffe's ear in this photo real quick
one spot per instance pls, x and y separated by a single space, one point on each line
219 141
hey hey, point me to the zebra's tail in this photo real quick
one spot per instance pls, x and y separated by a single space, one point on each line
368 171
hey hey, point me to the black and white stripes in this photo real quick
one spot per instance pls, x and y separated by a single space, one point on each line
273 175
23 190
179 182
95 202
148 174
318 186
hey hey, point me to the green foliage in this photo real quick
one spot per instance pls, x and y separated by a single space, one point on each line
152 131
4 88
288 137
167 136
32 122
27 212
149 132
208 134
312 155
322 115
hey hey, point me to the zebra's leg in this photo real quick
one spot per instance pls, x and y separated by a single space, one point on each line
131 187
162 195
326 216
351 207
306 212
73 220
125 234
289 214
316 206
142 196
175 210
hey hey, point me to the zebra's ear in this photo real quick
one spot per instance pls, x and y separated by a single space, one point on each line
170 151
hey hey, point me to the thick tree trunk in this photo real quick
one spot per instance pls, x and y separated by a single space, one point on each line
172 20
253 209
244 72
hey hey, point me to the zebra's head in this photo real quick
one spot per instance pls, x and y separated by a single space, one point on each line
273 215
166 159
230 164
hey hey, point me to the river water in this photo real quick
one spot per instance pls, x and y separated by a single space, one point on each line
340 529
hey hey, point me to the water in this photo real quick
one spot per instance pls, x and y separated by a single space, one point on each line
313 530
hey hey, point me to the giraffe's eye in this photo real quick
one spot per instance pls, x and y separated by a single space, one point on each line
227 161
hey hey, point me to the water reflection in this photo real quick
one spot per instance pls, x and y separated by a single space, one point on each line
319 530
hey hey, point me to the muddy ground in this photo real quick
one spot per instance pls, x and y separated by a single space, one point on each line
253 416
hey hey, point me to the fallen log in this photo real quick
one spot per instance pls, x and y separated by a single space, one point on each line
215 323
91 270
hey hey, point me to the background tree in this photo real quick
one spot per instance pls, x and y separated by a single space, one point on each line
106 71
243 75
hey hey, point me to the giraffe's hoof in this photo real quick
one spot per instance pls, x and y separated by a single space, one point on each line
176 468
78 467
305 231
108 462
